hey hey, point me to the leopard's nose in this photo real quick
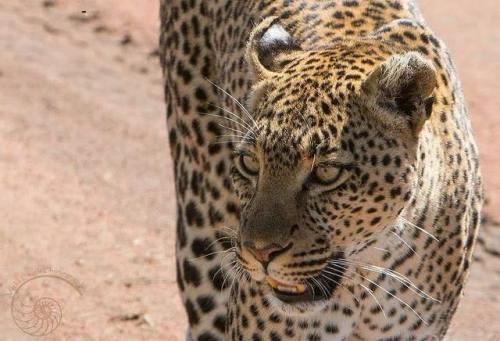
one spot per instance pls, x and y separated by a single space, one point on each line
267 253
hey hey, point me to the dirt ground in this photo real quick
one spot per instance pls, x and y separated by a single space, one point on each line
85 176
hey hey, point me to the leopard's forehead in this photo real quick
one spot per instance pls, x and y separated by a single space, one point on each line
307 106
344 64
300 129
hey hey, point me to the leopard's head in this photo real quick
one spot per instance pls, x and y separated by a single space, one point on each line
329 159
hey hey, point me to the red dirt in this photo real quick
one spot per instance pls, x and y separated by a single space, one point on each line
85 171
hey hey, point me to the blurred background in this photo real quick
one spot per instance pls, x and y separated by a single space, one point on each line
86 185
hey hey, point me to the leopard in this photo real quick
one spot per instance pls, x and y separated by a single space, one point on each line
327 178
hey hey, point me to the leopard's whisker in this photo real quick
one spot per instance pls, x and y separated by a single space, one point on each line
237 275
228 230
235 101
372 294
229 272
209 254
225 118
320 286
311 288
391 273
218 240
228 253
231 136
343 276
249 133
228 142
406 243
243 122
340 273
390 294
381 249
419 228
219 270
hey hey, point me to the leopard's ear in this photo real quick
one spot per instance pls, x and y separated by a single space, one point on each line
400 90
268 41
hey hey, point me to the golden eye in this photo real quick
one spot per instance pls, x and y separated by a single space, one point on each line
249 164
327 174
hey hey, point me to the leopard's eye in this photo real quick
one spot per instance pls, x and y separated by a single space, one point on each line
327 174
249 164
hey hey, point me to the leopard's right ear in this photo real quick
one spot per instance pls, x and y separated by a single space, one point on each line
268 41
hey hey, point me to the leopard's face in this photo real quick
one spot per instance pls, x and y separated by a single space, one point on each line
318 194
321 171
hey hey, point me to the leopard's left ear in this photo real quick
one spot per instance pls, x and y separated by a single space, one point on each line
268 41
400 90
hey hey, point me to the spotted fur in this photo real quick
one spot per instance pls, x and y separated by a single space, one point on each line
266 99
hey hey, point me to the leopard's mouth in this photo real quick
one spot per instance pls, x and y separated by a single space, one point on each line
318 288
284 288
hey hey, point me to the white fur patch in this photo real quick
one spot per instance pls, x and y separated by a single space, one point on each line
275 34
297 309
400 69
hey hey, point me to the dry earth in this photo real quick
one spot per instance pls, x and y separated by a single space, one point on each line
85 175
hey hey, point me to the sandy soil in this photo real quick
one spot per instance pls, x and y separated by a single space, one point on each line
85 173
